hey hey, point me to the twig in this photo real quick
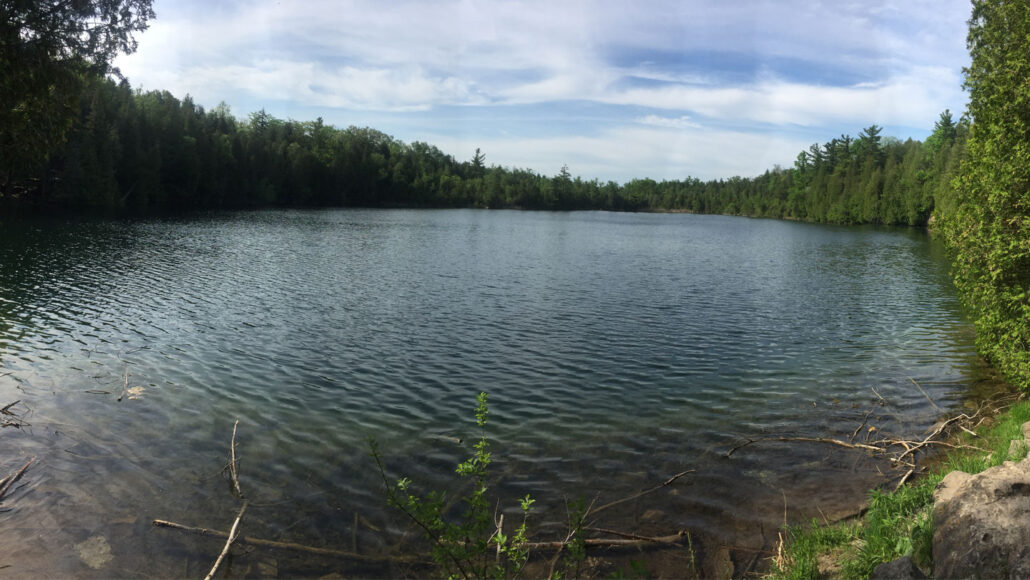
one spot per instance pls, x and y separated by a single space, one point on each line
925 394
665 483
10 479
125 386
882 400
5 410
973 433
859 428
807 440
283 545
627 535
904 478
228 543
232 463
574 528
940 429
612 543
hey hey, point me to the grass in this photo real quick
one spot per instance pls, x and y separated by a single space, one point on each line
899 523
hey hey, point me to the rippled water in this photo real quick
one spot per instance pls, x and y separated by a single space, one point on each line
618 349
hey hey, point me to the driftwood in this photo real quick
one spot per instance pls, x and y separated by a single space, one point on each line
6 482
623 539
901 452
9 419
233 462
665 483
925 394
827 440
233 533
286 545
612 543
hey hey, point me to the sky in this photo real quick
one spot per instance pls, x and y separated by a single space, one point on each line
614 90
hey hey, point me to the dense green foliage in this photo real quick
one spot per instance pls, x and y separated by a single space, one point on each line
145 151
47 49
990 225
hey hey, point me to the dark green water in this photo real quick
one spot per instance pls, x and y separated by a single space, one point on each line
618 349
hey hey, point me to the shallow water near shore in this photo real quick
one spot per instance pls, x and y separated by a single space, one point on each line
618 349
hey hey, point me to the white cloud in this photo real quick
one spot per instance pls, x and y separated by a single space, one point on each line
683 122
908 101
662 62
627 151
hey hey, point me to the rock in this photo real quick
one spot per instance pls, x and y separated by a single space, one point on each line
948 486
1026 431
652 516
95 552
981 526
268 569
723 563
901 569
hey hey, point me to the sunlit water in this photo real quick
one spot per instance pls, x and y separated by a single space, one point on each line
618 349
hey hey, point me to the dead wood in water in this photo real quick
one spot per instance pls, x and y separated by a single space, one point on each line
9 419
665 483
286 545
233 472
636 542
10 479
233 533
899 451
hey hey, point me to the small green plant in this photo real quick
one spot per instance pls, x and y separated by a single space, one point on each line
471 545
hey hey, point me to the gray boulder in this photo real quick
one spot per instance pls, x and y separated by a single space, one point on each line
982 523
901 569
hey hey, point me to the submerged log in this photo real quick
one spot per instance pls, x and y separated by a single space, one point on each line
284 545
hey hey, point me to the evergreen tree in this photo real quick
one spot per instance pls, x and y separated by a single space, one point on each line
991 227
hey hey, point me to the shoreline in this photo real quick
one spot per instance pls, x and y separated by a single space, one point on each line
837 549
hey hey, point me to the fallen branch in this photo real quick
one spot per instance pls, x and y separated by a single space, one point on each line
10 479
625 534
827 440
16 421
228 543
925 394
284 545
665 483
929 438
612 543
232 463
859 428
904 478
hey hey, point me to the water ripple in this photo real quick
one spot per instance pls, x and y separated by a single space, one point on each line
618 349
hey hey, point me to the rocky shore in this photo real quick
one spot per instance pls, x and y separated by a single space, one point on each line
981 523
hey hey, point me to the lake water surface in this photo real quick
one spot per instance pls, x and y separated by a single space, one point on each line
618 349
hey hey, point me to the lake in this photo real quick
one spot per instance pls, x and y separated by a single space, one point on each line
618 350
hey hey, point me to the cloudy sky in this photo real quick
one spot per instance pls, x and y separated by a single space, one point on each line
615 90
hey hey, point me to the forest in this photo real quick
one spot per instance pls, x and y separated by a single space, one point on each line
75 136
134 151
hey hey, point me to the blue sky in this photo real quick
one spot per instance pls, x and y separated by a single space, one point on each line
615 90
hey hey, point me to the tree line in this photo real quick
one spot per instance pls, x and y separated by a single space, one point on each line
137 151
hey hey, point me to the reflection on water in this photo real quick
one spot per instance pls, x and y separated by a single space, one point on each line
618 349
